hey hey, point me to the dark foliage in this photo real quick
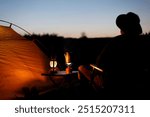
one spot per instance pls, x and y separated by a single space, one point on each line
82 50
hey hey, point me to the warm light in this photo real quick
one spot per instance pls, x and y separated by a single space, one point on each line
95 67
68 63
67 58
53 63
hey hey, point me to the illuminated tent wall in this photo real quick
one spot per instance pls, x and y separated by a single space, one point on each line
21 64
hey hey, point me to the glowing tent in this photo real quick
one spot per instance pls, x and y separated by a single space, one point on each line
21 64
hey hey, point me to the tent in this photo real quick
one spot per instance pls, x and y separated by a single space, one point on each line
21 64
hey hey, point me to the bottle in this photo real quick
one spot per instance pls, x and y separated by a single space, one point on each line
68 70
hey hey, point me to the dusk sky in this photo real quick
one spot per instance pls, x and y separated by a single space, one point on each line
69 18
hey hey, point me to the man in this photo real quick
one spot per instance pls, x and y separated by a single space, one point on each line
122 59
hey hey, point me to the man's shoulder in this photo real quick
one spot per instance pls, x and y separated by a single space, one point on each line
120 37
128 37
117 39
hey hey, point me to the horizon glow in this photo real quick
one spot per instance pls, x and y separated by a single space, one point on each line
69 18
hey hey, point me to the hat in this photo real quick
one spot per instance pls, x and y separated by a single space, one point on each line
129 23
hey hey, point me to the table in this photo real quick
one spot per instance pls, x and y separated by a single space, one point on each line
65 77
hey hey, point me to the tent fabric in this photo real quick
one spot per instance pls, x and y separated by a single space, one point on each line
21 64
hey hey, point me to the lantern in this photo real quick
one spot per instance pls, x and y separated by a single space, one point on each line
53 65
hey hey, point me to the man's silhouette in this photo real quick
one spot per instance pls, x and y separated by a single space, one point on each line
122 60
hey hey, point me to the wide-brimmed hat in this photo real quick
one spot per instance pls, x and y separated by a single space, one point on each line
129 23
